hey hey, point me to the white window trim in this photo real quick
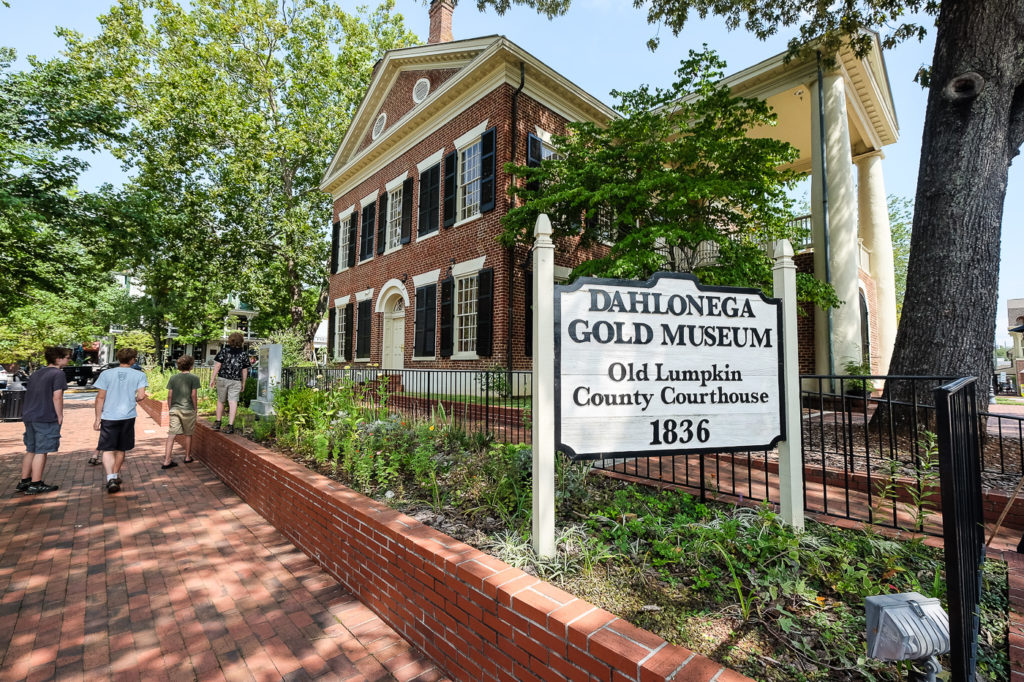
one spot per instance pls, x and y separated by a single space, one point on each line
343 228
364 295
387 219
544 135
339 318
471 135
341 302
467 268
368 199
426 279
430 161
394 184
363 203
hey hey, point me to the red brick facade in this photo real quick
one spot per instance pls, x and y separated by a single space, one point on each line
399 102
463 242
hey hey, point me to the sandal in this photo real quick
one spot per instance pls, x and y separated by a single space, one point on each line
188 460
94 460
169 466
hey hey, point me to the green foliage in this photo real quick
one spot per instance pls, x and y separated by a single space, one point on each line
48 115
901 220
857 386
140 340
226 107
292 348
676 183
801 590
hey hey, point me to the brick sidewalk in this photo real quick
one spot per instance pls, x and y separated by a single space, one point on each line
172 578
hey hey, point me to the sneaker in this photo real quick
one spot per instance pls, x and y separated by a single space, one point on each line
117 477
229 428
113 486
23 486
40 487
216 426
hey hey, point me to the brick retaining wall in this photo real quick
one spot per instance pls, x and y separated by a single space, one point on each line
156 409
475 616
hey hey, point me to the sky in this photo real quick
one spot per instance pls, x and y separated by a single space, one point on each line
600 45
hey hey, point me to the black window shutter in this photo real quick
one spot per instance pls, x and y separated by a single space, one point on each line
369 223
484 312
353 231
430 320
421 314
332 321
450 162
407 211
430 200
335 236
533 155
382 223
528 342
533 158
349 328
487 144
363 334
447 316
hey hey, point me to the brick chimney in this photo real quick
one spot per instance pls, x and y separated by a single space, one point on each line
441 21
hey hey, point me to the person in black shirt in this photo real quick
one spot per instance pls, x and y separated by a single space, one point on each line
230 371
43 415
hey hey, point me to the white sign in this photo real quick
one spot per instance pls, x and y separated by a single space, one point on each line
665 366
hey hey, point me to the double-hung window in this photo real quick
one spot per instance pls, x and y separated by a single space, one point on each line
394 230
465 314
469 181
469 176
467 302
339 339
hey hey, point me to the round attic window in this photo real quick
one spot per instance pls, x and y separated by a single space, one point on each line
378 126
420 90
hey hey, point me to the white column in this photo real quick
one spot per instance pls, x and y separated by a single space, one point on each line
877 234
543 389
842 219
791 479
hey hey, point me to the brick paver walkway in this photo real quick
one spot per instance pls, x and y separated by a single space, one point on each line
172 578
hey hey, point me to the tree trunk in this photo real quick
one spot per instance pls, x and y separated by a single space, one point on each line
972 131
314 321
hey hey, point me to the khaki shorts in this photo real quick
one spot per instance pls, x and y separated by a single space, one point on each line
181 422
228 389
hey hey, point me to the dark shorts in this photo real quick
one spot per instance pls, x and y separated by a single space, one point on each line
42 437
117 434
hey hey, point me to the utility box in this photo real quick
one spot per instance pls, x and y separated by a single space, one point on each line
268 379
905 627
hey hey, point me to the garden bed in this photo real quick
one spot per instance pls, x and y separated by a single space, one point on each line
735 584
475 616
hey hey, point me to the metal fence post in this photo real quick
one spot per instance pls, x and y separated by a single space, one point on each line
963 525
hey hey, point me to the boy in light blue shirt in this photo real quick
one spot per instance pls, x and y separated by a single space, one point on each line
120 388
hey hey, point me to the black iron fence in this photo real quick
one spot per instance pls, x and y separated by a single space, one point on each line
962 521
495 401
869 455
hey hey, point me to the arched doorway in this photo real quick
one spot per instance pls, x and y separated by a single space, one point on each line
393 349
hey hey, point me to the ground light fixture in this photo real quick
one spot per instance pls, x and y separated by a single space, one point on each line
907 627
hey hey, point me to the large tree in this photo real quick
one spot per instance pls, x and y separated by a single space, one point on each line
675 183
974 127
235 107
48 115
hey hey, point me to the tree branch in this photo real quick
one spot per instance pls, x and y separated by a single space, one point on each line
1015 135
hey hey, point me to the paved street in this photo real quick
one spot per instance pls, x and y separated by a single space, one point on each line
172 578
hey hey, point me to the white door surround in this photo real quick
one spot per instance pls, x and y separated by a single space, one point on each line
393 351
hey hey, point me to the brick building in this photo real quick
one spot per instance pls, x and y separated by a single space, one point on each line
419 280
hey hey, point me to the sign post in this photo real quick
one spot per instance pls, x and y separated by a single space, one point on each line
543 390
791 479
